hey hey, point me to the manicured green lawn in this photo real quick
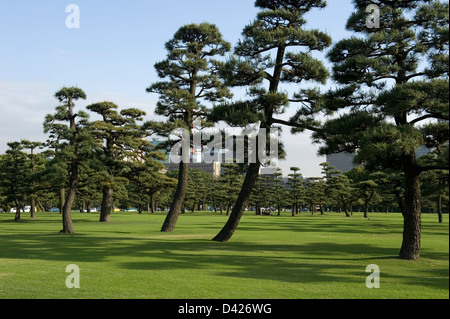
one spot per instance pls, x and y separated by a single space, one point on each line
305 257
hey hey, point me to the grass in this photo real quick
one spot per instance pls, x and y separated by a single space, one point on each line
270 257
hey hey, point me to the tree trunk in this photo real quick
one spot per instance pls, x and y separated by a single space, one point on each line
411 214
239 208
214 205
439 205
41 207
33 208
152 204
67 209
346 210
107 204
366 210
172 217
17 215
62 199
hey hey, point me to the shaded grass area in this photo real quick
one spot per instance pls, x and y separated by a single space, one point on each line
269 257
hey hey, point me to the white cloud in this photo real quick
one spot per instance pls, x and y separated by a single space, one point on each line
301 153
23 107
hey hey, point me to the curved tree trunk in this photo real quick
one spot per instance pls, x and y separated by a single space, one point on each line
67 212
177 204
241 203
67 209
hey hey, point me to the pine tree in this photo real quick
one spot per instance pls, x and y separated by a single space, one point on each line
72 144
392 80
121 140
364 186
190 78
35 166
257 198
296 189
279 30
55 173
278 190
13 173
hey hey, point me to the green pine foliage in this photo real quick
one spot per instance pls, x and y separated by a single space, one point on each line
393 91
190 81
275 49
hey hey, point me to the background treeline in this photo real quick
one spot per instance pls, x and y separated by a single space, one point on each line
29 179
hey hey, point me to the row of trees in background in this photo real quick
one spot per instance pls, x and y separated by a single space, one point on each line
358 190
391 97
28 179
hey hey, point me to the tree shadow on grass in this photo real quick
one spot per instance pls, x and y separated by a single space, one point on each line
290 263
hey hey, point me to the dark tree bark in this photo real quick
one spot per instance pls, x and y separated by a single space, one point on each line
411 212
33 208
62 199
241 203
439 206
107 204
366 203
67 209
17 215
177 204
73 178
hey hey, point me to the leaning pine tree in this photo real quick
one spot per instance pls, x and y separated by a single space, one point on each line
394 88
275 49
190 76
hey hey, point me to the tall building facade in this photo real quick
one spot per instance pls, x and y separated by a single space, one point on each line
345 161
342 161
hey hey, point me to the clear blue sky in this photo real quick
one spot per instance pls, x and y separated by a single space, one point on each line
111 55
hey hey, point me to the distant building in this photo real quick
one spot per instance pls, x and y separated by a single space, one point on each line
342 161
215 168
345 161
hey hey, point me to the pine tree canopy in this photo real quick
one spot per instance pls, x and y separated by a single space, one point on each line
278 49
395 74
190 73
73 93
